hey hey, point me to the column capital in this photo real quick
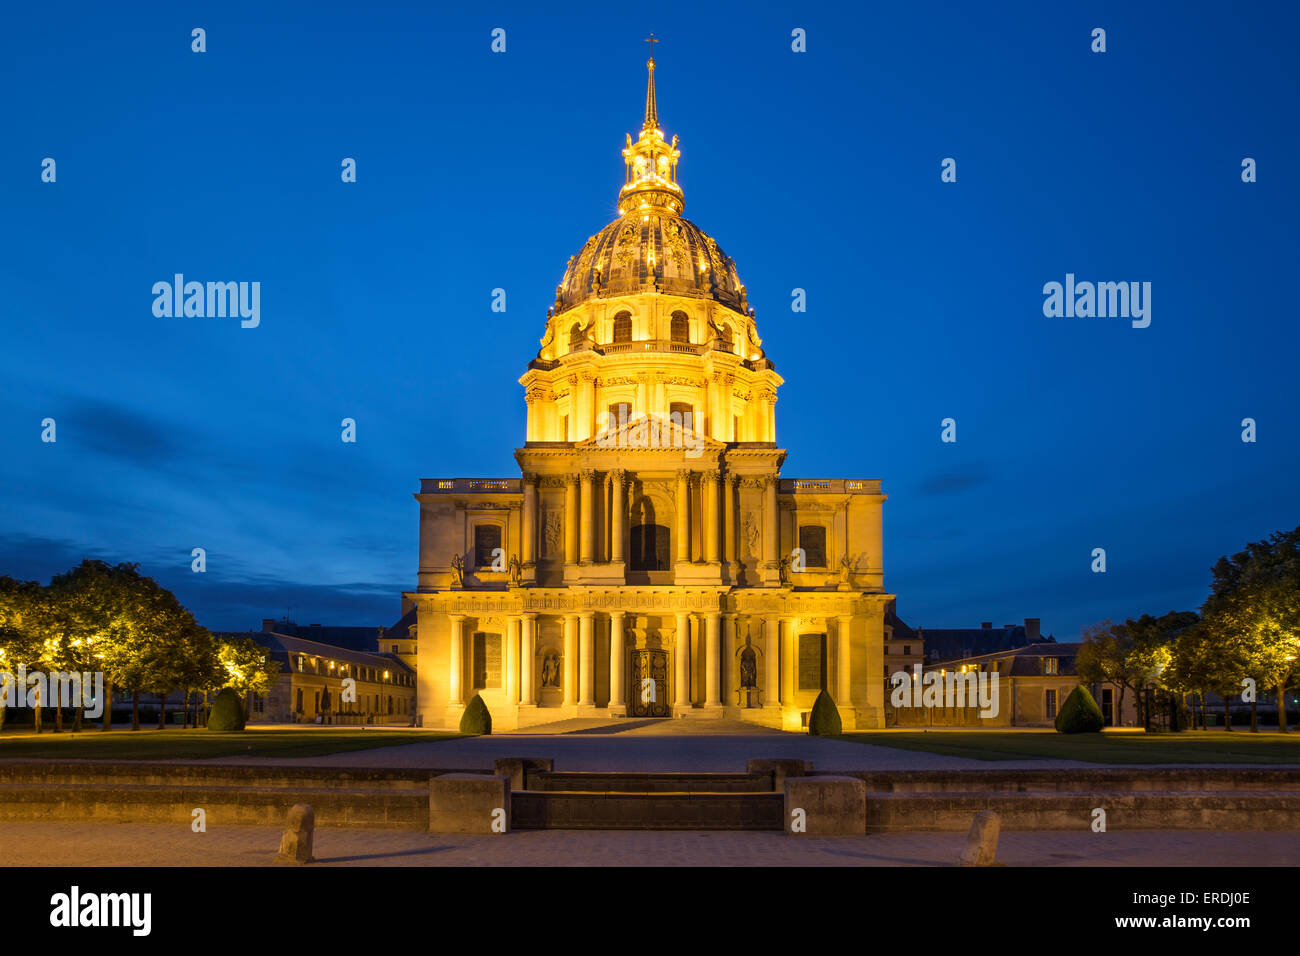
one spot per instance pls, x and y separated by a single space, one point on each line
456 618
530 616
587 474
684 474
530 478
710 475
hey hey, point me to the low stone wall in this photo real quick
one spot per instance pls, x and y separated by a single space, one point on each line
1206 810
647 811
653 782
1070 780
469 803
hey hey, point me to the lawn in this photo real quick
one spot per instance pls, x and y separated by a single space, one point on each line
1121 747
180 744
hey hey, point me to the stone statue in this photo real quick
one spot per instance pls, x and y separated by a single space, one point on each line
457 571
783 570
751 532
748 669
516 571
846 568
551 670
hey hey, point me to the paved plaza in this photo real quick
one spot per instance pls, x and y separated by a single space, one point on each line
96 844
650 746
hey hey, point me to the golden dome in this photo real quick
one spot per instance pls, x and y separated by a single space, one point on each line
651 248
649 251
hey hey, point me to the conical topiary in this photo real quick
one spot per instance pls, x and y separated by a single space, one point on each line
1080 713
476 719
825 718
227 711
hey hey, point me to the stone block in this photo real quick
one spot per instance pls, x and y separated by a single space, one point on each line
832 806
982 841
518 769
299 831
469 803
780 768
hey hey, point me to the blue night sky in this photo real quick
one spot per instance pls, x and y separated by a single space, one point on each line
818 170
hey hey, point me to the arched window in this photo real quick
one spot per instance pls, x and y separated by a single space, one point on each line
575 336
681 328
726 338
649 548
623 327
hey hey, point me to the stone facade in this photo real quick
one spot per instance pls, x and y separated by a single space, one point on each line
650 560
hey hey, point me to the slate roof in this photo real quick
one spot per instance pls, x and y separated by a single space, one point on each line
402 629
951 644
284 648
1025 661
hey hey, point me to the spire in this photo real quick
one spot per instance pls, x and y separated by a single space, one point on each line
651 162
651 108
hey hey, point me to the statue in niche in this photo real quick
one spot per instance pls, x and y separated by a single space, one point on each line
751 533
516 571
457 571
748 669
846 568
551 670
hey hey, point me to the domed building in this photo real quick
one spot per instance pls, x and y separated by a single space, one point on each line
650 561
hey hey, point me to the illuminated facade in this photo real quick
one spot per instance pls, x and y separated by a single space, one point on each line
644 563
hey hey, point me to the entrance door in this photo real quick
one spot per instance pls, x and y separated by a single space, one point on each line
654 665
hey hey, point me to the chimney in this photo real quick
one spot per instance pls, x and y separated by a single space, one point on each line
268 624
986 625
1032 628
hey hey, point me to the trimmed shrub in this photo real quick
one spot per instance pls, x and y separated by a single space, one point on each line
476 719
825 718
1080 714
227 711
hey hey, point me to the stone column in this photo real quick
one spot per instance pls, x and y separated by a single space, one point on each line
682 654
618 515
729 518
457 659
709 492
772 662
771 532
730 680
789 661
844 694
527 658
712 659
617 656
512 660
528 547
587 659
683 516
570 659
570 519
588 552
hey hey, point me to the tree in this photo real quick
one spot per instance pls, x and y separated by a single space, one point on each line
1255 599
1103 658
248 668
21 642
1152 652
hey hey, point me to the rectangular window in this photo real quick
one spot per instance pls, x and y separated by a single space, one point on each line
487 539
682 412
1049 665
619 414
812 539
907 650
1049 708
812 661
1107 707
487 660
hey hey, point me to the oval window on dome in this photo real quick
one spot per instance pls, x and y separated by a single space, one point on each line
680 330
623 327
